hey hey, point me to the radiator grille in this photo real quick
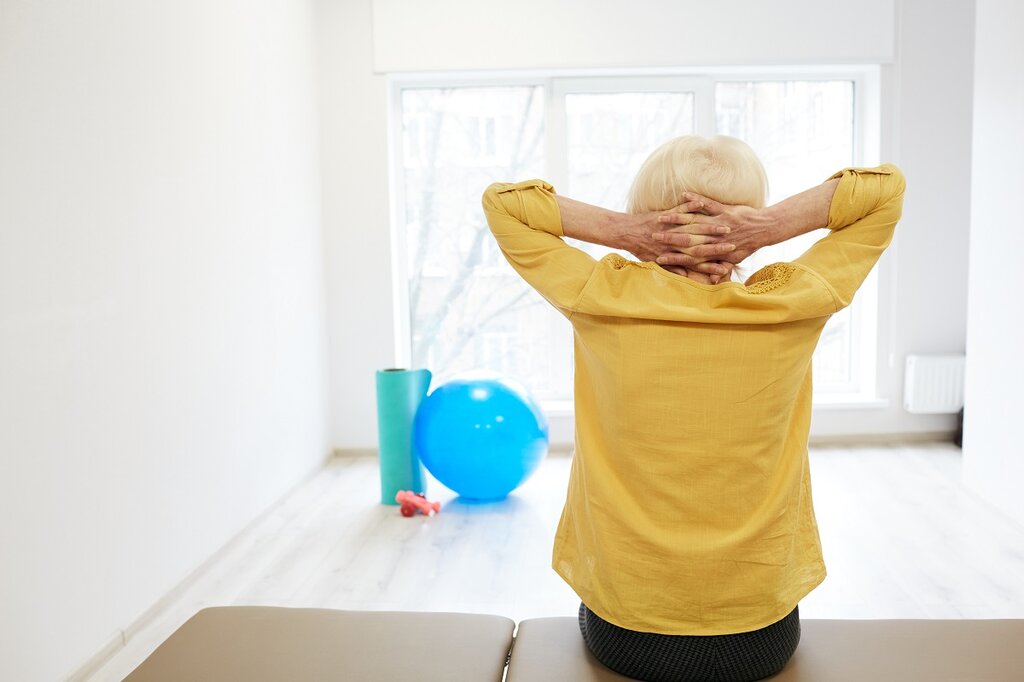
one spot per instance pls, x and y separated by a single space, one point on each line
934 384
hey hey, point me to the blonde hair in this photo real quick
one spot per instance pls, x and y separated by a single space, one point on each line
721 168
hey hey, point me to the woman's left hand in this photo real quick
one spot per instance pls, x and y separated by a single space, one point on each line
749 230
701 243
705 240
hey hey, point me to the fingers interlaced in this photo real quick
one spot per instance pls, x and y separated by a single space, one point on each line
713 268
680 259
709 206
712 249
691 206
705 265
714 245
696 244
705 273
694 223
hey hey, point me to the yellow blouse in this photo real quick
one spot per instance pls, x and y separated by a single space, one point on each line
689 503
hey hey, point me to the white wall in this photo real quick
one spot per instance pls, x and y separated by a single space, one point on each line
927 122
926 129
162 334
993 456
540 34
354 134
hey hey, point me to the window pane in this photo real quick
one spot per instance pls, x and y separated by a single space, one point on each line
803 132
469 310
610 135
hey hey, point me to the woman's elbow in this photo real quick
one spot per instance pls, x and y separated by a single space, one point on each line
491 199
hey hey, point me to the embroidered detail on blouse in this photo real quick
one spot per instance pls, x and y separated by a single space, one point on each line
617 262
769 277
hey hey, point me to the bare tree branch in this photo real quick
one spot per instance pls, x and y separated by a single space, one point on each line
429 325
428 210
481 324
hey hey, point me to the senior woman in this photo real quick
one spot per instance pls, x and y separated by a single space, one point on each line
688 530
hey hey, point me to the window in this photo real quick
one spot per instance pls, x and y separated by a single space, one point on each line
466 309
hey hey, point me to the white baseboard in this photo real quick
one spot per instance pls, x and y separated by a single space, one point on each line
99 659
355 452
555 449
882 439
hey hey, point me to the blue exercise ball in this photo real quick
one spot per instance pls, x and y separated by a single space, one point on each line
481 437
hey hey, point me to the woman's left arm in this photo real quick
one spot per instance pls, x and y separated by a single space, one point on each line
525 221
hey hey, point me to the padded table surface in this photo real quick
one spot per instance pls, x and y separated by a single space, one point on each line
551 649
260 644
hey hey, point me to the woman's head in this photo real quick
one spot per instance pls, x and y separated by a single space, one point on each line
721 168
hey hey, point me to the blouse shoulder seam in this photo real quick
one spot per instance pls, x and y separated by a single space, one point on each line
824 282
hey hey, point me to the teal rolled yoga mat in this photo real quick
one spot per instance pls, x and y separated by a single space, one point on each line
399 394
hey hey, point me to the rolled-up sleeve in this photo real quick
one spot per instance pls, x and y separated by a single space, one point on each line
862 218
525 221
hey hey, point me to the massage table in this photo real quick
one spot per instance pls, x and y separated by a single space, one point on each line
260 644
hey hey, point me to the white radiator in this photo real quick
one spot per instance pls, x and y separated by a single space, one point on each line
934 384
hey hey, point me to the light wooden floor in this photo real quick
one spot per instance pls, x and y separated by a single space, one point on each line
902 538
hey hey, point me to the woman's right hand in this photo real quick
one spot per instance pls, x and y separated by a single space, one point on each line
748 231
702 244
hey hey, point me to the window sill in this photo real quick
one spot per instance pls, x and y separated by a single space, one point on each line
557 408
849 401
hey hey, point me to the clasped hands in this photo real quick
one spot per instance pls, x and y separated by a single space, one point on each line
701 239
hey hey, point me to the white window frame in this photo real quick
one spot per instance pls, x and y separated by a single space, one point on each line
867 344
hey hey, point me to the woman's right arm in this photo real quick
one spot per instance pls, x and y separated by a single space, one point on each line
860 207
750 229
862 217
